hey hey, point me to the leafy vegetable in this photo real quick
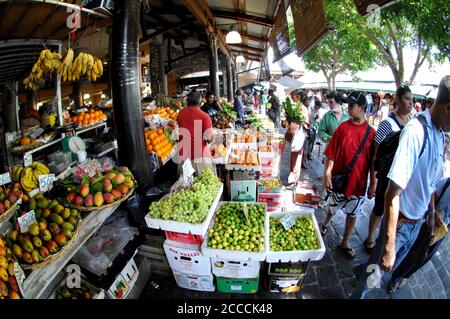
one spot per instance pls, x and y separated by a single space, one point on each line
293 114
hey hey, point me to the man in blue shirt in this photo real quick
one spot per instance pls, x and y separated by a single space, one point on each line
412 182
239 106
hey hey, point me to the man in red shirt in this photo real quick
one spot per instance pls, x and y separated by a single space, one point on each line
340 151
195 127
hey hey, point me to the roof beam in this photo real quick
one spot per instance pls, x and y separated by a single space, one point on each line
145 39
243 17
248 53
205 18
247 47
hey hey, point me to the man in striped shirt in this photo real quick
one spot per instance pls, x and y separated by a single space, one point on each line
393 123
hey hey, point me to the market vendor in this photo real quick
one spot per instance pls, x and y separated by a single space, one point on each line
195 129
211 106
29 117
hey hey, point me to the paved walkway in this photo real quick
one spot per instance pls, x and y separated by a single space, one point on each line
332 277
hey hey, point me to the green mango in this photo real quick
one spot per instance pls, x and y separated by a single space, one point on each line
32 204
73 220
68 226
56 219
53 204
43 203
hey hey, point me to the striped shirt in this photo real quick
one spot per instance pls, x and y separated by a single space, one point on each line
387 126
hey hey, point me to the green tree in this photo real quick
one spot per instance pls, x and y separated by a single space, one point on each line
345 49
418 24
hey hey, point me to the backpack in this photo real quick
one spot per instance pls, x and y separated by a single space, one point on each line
388 147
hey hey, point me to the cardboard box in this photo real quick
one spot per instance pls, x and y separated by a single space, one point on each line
283 284
125 281
189 239
306 193
243 191
187 259
200 283
245 175
235 269
237 285
273 200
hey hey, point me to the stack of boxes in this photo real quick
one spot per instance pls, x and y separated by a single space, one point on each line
236 276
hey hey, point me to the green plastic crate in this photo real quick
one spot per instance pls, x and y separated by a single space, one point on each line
237 285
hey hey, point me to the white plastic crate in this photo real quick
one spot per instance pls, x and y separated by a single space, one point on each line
294 255
238 255
186 228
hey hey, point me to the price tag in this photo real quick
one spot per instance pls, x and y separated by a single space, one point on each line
245 210
5 178
287 221
27 160
26 221
20 277
37 133
188 170
46 182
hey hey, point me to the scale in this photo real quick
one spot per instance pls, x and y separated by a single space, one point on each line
74 144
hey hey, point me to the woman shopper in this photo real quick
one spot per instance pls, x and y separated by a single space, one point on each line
395 122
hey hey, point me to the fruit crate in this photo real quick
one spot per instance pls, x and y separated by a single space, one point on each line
186 228
263 189
237 285
188 239
294 255
237 255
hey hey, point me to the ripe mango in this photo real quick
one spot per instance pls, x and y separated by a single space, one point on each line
34 230
108 198
123 189
59 209
89 201
84 190
54 229
124 170
68 226
37 242
66 213
119 179
36 257
17 250
47 212
13 295
43 203
44 252
13 235
110 175
4 274
56 219
116 193
13 282
3 262
3 290
73 220
26 257
42 224
61 240
107 185
128 182
46 235
11 269
98 199
53 204
28 246
71 197
78 201
52 247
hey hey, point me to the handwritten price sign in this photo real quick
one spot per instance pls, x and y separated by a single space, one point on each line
27 160
46 182
287 221
5 178
26 221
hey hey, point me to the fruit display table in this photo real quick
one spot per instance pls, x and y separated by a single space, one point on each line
38 280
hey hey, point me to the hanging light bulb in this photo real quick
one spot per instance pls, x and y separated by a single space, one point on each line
87 96
233 36
240 59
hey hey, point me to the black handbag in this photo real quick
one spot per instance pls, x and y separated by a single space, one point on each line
339 181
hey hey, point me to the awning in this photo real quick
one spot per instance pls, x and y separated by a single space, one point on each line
290 82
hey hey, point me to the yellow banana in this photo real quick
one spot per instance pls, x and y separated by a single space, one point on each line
100 67
93 76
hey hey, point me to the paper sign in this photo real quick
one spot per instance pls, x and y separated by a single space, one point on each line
188 170
46 182
27 160
245 210
20 278
26 221
93 168
37 133
5 178
287 221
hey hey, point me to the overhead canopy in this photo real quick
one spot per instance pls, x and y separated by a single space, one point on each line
290 82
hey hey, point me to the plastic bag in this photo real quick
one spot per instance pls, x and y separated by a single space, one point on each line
107 164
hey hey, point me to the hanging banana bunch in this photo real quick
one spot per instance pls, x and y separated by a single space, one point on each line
69 69
46 64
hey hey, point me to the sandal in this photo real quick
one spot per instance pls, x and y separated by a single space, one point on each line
369 246
393 286
348 252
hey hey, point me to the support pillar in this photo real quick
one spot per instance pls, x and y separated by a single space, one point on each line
213 66
158 77
10 109
126 91
229 76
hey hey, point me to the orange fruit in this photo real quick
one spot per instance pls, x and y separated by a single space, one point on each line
81 114
75 119
91 111
160 131
85 122
154 143
149 148
147 142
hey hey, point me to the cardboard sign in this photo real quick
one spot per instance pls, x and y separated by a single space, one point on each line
26 221
287 221
93 168
188 171
46 182
20 278
27 160
5 178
